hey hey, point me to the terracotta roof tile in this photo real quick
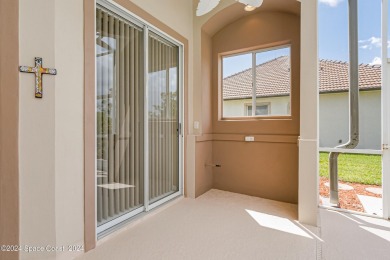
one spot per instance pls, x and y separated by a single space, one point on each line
273 79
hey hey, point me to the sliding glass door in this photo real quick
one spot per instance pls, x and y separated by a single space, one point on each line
163 118
119 117
137 119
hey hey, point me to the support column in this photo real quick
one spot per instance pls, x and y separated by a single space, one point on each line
385 111
308 143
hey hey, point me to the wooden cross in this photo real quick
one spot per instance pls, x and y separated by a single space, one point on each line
38 71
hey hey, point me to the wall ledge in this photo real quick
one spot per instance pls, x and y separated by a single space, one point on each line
241 138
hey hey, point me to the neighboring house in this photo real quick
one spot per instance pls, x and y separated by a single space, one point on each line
273 98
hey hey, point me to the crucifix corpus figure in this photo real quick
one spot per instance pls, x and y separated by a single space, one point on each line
38 71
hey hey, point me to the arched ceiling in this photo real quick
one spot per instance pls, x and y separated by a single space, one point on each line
227 13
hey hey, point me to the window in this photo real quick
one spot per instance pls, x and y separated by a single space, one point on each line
260 78
261 109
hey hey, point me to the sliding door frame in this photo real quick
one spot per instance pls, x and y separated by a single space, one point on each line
150 206
385 112
147 27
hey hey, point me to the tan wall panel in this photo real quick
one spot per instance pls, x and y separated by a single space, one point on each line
9 116
206 84
69 124
190 161
258 138
204 173
203 150
170 12
268 167
266 170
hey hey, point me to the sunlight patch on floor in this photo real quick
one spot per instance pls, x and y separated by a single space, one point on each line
277 223
374 221
378 232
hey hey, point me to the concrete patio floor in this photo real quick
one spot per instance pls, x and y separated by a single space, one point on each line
225 225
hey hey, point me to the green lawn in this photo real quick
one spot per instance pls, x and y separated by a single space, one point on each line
358 168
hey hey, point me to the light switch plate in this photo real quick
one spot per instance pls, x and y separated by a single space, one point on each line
196 124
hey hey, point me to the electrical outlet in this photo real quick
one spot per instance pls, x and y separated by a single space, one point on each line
249 138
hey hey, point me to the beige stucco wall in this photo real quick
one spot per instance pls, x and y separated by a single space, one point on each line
51 129
170 12
37 136
9 127
334 119
204 171
69 103
206 101
204 150
251 168
266 169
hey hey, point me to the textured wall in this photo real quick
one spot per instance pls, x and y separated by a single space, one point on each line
334 119
51 129
9 130
268 167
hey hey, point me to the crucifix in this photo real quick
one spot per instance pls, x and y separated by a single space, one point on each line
38 71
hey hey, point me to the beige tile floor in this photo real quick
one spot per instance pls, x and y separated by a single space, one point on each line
224 225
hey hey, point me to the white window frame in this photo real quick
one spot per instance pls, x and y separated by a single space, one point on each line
131 17
253 97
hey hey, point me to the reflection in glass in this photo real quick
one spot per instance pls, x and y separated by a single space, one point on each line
236 84
118 117
163 118
261 110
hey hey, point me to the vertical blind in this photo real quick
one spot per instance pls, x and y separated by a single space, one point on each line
120 117
163 118
119 45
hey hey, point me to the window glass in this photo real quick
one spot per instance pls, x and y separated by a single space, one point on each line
237 84
262 76
261 110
